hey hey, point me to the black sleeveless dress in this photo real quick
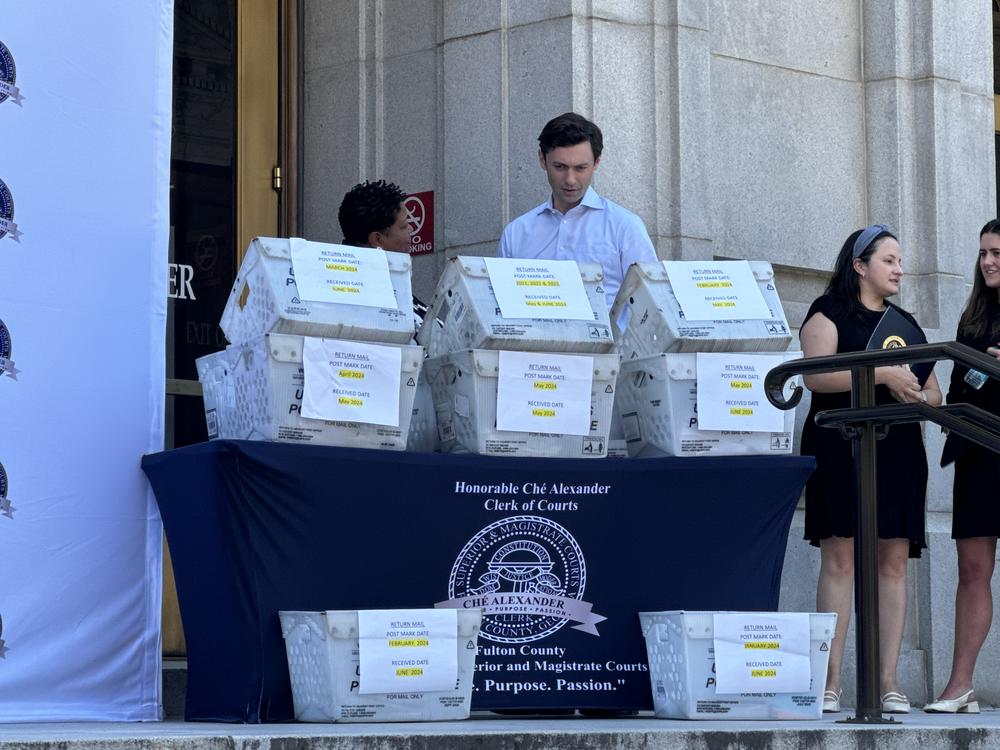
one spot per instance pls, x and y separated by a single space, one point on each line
976 511
901 462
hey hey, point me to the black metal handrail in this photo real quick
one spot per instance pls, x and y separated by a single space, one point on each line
971 422
774 383
862 423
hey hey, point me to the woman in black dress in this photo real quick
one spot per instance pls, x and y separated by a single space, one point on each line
867 273
976 512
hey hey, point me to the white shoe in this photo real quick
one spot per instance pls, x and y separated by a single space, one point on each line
963 704
895 703
831 701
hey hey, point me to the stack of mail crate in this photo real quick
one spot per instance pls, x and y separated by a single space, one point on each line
660 346
279 330
547 362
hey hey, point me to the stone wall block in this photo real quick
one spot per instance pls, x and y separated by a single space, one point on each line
799 571
888 42
975 199
695 199
888 110
333 143
785 159
520 12
637 12
694 14
464 18
540 86
410 96
472 138
936 43
939 580
973 28
332 29
669 103
939 166
409 26
818 37
623 76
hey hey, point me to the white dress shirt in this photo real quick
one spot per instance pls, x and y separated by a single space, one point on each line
596 230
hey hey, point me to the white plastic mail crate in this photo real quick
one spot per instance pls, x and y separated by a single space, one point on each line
657 399
681 654
464 385
260 397
265 299
324 660
217 392
464 314
423 433
655 324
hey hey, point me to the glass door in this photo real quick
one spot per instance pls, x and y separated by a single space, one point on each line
224 157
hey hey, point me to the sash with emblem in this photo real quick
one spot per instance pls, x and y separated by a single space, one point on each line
895 330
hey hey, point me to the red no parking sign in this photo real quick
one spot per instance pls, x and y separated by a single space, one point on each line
420 213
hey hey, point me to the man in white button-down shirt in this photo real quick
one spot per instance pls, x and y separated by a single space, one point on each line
576 223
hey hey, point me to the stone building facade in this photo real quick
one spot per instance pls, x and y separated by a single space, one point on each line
760 129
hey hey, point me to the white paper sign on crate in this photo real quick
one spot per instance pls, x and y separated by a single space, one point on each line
465 389
544 393
762 652
716 290
465 314
325 669
656 323
342 274
254 391
658 401
351 381
408 650
266 298
684 670
731 393
539 289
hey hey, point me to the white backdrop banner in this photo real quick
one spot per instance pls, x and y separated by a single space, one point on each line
85 106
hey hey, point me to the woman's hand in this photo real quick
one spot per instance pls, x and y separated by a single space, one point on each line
994 351
902 384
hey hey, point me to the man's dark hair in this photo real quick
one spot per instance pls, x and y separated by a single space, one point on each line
369 207
568 130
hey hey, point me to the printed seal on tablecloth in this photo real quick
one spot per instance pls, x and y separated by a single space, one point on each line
528 575
6 351
7 225
8 77
6 509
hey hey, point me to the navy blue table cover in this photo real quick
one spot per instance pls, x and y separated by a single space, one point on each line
258 527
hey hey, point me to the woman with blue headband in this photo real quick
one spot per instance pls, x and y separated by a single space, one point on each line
975 521
867 272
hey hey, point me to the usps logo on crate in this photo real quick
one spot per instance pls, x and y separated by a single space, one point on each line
528 574
7 225
8 77
6 509
6 350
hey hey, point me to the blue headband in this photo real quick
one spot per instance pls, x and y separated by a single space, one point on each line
865 238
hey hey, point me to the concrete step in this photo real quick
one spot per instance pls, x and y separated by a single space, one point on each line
928 732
